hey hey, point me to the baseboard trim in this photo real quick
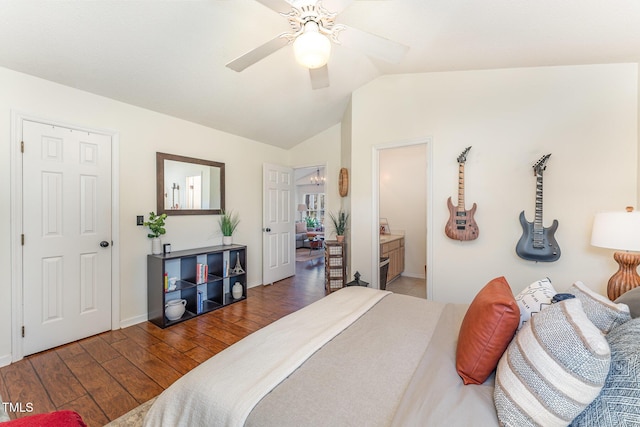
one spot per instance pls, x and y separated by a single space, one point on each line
133 321
5 360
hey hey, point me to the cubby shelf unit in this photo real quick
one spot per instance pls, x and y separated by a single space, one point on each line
215 291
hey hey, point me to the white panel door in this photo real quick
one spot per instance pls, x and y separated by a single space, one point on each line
278 248
67 235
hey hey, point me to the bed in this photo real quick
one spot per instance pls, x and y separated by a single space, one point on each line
356 357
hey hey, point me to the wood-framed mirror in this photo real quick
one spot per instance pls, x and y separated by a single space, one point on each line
189 186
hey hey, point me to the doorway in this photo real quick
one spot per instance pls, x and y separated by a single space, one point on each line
311 220
403 193
63 281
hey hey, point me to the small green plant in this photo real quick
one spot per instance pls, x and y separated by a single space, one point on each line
156 225
228 222
311 222
339 222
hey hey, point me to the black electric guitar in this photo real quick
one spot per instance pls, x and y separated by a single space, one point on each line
461 224
538 243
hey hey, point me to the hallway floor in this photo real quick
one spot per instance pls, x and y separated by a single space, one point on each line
401 285
408 286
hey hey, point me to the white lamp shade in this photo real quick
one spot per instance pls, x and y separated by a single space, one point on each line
302 207
617 230
311 48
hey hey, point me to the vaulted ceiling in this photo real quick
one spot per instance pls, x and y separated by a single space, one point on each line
170 56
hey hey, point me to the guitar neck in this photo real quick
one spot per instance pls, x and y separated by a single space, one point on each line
460 187
537 222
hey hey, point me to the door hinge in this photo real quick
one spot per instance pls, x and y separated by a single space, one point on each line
23 332
22 239
22 146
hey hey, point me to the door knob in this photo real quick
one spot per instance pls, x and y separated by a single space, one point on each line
104 244
268 230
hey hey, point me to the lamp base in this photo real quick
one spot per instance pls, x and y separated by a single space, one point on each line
626 278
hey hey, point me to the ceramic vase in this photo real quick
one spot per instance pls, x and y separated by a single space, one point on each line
156 246
236 291
340 238
175 308
227 240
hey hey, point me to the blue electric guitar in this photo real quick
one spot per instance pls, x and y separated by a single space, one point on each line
538 243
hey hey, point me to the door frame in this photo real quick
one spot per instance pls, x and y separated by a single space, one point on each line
17 120
375 222
327 182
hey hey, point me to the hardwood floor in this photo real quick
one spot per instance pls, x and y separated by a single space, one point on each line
105 376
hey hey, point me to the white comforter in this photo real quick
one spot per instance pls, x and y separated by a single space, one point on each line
241 375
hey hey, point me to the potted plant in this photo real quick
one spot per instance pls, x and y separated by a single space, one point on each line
339 224
156 228
228 222
312 223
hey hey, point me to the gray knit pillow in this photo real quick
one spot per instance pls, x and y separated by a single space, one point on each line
553 369
619 402
603 312
632 300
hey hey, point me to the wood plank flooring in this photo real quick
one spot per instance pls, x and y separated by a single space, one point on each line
105 376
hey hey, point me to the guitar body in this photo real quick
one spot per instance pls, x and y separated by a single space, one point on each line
461 224
538 245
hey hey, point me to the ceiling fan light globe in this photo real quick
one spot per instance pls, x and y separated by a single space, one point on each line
312 49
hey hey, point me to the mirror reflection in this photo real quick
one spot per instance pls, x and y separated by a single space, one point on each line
189 186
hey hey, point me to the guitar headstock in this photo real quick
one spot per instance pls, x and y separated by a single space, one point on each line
463 156
541 164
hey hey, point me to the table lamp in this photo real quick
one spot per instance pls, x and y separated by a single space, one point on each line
619 231
301 208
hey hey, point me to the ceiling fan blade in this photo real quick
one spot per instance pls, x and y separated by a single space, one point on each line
336 6
257 54
279 6
319 77
372 45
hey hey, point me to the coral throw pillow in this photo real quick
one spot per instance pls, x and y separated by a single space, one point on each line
486 331
64 418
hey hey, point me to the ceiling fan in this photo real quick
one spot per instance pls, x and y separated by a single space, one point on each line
313 29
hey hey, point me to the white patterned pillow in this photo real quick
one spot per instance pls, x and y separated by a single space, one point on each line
553 369
602 312
534 298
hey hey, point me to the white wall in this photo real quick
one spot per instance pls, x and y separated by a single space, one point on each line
403 186
586 116
141 134
322 149
345 161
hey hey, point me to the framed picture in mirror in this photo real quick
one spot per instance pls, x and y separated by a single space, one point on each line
384 226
